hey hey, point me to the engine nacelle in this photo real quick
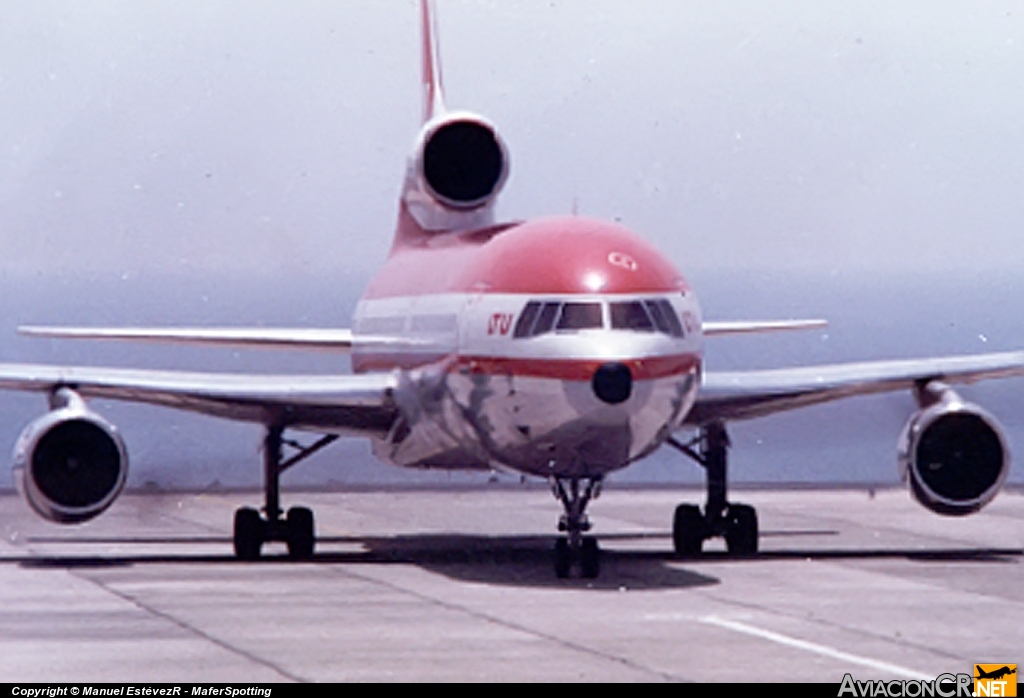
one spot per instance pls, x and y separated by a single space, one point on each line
458 167
952 453
70 464
462 161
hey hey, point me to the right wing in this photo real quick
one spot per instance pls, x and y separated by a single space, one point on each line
267 337
733 395
341 404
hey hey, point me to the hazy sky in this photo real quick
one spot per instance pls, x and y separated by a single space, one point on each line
198 135
770 149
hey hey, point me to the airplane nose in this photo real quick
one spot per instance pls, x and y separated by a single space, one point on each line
613 383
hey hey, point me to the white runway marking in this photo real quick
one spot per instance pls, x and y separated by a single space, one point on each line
815 648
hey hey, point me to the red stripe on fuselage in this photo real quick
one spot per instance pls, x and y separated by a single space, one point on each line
649 368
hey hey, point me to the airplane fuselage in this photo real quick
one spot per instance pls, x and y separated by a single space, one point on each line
565 347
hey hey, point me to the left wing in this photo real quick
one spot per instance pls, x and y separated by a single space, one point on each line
341 404
732 395
715 328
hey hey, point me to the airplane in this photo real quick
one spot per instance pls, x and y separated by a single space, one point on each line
995 673
563 348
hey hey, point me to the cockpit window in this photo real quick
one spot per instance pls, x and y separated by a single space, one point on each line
631 316
643 315
547 319
664 316
540 317
580 316
646 316
658 315
524 326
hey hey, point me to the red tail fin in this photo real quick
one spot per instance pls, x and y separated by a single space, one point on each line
433 89
458 165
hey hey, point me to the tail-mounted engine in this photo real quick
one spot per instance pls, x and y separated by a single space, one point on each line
952 452
457 170
70 464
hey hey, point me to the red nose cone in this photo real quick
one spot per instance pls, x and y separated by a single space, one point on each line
570 255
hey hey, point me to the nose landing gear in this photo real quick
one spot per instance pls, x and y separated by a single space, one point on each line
575 546
737 523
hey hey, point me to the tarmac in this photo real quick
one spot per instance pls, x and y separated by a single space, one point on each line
426 585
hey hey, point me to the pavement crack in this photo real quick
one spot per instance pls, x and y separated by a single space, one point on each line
142 606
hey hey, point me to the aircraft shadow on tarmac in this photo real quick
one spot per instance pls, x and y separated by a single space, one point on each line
507 560
504 560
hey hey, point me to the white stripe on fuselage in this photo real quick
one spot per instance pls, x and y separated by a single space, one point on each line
483 324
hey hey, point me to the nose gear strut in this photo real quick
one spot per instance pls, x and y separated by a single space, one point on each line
737 523
575 523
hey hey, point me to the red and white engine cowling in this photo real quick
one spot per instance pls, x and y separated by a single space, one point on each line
70 464
952 453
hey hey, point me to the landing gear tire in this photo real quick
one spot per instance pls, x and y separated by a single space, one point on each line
688 530
301 536
741 534
562 557
575 546
736 522
590 558
248 534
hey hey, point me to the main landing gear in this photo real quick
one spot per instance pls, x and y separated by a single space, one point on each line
736 522
295 529
574 546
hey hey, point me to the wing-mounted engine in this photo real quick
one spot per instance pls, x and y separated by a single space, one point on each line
458 167
952 453
70 464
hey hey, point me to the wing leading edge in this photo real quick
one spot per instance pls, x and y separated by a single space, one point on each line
717 328
340 404
734 395
266 337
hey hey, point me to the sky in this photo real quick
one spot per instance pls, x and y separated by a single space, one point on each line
238 162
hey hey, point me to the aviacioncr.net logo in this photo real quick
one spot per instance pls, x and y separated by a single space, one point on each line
942 686
995 680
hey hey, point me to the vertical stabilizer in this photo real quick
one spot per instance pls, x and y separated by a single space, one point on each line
433 88
458 164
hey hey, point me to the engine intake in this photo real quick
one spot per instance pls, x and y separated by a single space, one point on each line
462 161
70 464
953 454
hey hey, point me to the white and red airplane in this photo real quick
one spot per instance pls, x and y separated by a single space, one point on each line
562 348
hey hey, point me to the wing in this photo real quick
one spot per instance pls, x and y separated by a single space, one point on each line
746 394
342 404
726 327
268 337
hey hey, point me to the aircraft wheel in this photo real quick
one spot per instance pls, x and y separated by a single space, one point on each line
590 558
741 536
562 558
688 527
301 536
248 533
